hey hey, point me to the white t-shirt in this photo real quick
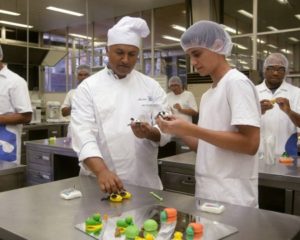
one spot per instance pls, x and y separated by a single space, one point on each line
186 99
223 175
101 110
275 121
14 98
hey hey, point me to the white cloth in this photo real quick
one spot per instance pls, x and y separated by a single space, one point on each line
275 121
186 99
223 175
101 112
129 30
14 98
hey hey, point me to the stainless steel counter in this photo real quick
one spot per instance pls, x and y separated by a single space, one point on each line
12 175
38 212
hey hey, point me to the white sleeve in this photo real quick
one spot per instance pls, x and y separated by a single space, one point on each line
20 97
83 125
67 101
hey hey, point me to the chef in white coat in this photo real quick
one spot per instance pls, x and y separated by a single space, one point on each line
15 110
280 105
113 114
227 135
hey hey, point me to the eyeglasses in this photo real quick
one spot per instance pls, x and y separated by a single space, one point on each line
274 69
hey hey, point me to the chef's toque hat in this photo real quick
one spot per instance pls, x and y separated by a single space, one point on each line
209 35
129 30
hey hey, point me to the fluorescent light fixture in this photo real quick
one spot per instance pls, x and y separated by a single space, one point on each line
245 13
246 67
243 62
231 30
294 39
99 44
9 12
79 36
297 16
61 10
260 41
283 1
272 28
272 46
286 51
16 24
179 28
171 38
240 46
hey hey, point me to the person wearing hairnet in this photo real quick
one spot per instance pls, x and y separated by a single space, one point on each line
280 105
227 135
113 115
181 102
15 110
83 71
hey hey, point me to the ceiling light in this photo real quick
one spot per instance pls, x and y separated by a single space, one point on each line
283 1
179 28
231 30
272 46
294 39
240 46
272 28
79 36
245 13
16 24
61 10
171 38
286 51
260 41
9 12
297 16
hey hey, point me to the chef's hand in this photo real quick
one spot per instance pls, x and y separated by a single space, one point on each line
173 125
109 182
284 104
141 129
177 106
265 105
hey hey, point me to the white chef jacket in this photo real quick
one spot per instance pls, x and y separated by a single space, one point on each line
14 98
186 99
68 103
101 111
224 175
275 121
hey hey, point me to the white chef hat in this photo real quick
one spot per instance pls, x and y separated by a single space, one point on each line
129 30
209 35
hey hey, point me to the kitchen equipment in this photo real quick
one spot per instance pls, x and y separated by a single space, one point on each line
53 111
36 105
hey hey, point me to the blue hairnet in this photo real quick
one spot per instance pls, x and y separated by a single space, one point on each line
209 35
276 59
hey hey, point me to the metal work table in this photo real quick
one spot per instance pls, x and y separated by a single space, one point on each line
276 176
38 212
12 175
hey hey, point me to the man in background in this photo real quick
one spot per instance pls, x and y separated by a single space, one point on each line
15 110
181 102
280 105
83 71
113 112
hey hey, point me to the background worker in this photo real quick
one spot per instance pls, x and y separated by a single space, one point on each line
280 105
227 135
15 110
83 71
109 144
181 102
